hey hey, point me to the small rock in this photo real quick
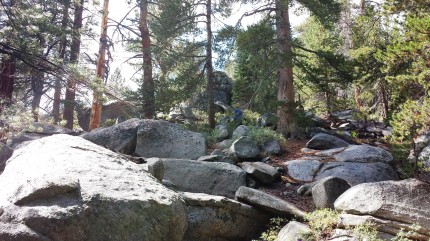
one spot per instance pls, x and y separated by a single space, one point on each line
263 172
225 144
272 147
268 202
156 168
327 190
293 231
222 132
240 131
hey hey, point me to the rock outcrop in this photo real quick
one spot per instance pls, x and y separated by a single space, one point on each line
156 138
391 205
215 178
66 188
215 218
323 141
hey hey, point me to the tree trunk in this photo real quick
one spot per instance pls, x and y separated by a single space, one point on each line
358 101
37 83
75 48
62 51
7 79
148 88
96 110
384 97
209 66
362 7
285 94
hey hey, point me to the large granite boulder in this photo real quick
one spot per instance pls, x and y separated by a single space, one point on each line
392 205
157 138
323 141
215 218
245 148
215 178
268 203
119 138
303 170
356 173
66 188
364 154
115 112
222 92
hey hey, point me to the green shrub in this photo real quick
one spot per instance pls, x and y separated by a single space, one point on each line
14 120
366 231
321 222
413 118
276 224
263 134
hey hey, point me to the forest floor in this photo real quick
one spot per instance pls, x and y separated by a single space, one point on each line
287 188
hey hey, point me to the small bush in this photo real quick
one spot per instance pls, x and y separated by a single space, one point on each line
14 120
321 222
276 224
263 134
366 231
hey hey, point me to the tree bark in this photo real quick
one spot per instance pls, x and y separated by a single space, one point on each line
285 94
37 83
148 88
96 110
62 51
209 65
75 48
7 79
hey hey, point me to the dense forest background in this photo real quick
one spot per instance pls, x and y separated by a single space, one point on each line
373 56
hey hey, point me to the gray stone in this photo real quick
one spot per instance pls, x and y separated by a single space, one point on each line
240 131
404 202
35 131
156 168
215 218
166 140
261 171
119 138
245 148
365 154
215 178
424 157
341 135
327 190
272 147
324 141
66 188
356 173
293 231
225 144
217 152
268 203
216 158
5 153
387 228
303 170
305 189
268 120
222 132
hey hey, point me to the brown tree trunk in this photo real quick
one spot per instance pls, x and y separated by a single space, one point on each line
37 83
358 101
362 7
75 48
62 51
96 110
285 94
384 97
209 66
148 88
7 79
